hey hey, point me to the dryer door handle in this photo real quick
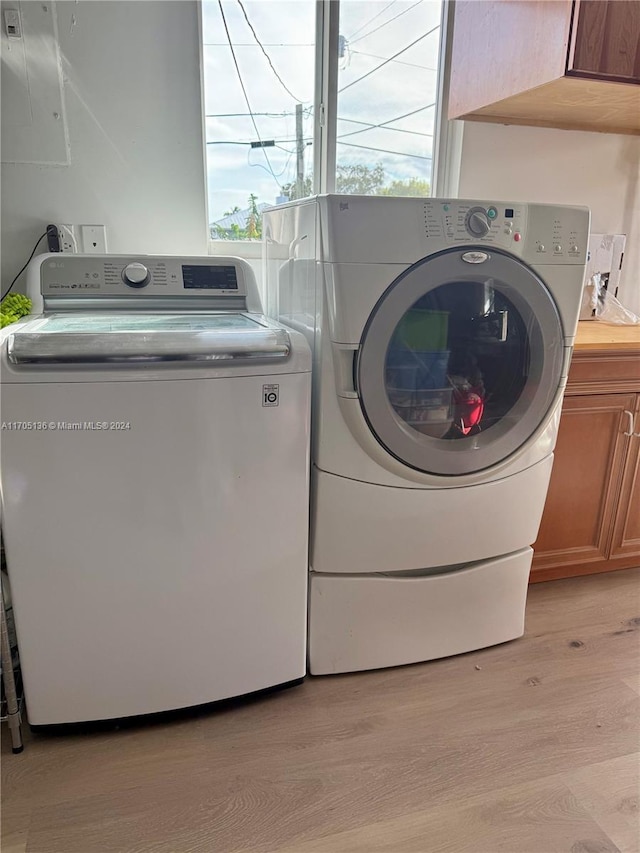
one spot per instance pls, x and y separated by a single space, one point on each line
345 361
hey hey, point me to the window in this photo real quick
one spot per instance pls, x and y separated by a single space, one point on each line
303 96
386 98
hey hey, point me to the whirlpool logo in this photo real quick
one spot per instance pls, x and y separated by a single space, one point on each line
475 257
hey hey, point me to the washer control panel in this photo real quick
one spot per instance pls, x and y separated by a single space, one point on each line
546 233
114 275
141 282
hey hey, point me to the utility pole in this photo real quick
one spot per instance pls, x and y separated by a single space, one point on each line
299 153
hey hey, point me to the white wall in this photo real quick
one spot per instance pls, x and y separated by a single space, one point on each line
601 171
133 106
132 91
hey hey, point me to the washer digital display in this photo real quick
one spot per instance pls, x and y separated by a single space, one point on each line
197 277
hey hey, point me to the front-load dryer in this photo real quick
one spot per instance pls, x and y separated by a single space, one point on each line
442 332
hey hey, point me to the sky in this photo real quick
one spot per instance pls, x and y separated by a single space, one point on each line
373 33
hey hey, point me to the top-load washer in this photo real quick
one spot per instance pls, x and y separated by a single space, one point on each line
442 334
150 416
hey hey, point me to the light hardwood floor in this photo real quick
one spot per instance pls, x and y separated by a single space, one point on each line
528 747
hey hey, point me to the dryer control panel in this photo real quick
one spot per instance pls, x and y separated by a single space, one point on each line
542 233
394 230
460 222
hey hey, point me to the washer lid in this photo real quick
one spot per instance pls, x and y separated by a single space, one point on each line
120 338
460 361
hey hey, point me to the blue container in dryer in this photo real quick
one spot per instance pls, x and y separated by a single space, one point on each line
417 370
432 369
403 371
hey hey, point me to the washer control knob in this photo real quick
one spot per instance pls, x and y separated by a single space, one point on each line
574 248
477 222
557 247
136 275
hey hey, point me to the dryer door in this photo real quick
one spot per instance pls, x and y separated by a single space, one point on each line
460 361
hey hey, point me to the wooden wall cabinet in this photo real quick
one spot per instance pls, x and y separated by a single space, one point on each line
554 63
591 520
605 40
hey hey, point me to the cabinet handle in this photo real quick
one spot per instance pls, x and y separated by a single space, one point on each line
630 416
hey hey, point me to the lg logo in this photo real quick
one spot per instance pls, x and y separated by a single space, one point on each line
270 395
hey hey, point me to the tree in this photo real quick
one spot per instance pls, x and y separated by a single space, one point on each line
290 190
359 180
414 187
252 227
254 220
353 180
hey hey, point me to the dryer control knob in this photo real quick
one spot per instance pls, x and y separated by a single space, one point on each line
135 275
478 224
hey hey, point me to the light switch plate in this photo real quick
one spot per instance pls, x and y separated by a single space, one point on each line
12 24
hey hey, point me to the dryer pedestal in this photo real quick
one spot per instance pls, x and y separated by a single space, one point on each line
359 622
363 528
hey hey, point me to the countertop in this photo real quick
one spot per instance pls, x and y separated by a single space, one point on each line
595 335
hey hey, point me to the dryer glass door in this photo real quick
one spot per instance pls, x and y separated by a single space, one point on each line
460 361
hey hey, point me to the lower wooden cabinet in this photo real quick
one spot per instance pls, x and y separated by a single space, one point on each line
626 533
591 520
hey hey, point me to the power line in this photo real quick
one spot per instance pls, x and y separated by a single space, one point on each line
260 166
250 141
404 12
307 111
366 24
268 58
370 126
397 61
391 58
238 115
384 150
244 91
251 44
367 126
384 124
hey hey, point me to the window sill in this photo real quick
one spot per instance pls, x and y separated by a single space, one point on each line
246 249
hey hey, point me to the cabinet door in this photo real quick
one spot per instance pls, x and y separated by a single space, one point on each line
579 512
626 534
606 39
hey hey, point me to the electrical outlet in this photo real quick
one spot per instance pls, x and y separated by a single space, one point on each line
94 239
67 238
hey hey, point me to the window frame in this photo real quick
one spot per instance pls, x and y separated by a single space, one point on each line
447 135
